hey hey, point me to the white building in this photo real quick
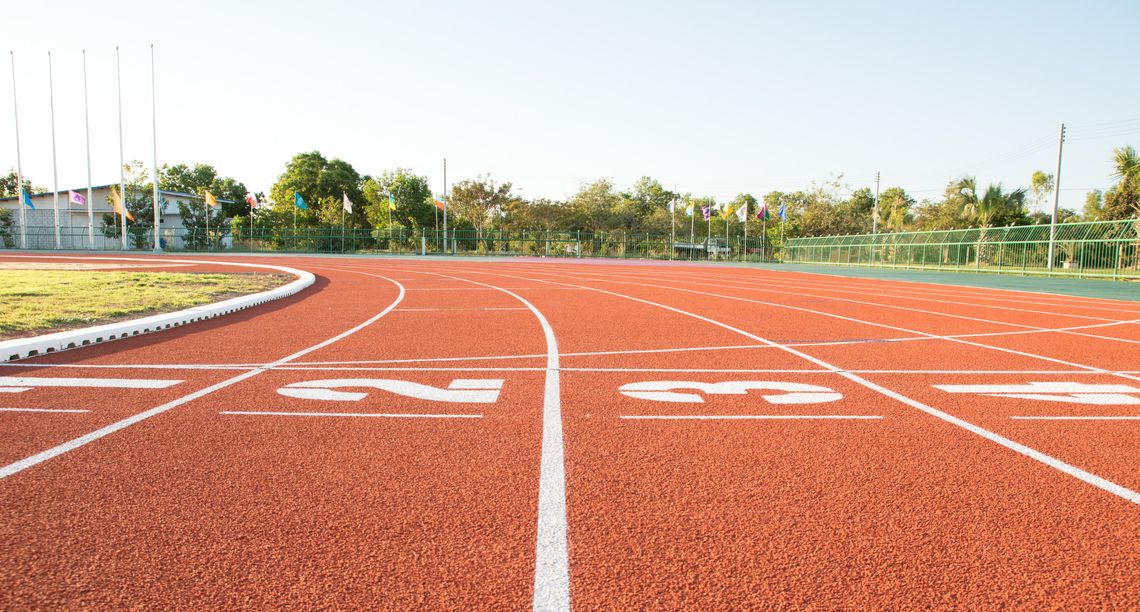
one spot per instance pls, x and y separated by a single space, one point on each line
73 220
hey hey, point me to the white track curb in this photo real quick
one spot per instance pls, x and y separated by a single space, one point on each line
22 348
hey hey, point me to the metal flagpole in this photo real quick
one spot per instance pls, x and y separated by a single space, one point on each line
19 169
154 134
744 253
207 205
87 133
54 171
446 248
122 176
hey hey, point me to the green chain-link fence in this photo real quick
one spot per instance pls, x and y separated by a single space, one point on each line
1101 249
630 245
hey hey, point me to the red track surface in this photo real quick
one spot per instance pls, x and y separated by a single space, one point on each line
195 506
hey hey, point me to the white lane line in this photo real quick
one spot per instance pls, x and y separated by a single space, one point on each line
451 309
40 410
14 389
101 383
847 318
552 550
387 415
762 417
1077 418
1030 328
1082 475
23 464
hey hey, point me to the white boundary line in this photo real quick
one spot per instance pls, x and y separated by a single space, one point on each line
41 410
389 415
1076 418
1082 475
21 348
759 417
23 464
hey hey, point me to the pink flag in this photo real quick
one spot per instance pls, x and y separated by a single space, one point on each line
74 197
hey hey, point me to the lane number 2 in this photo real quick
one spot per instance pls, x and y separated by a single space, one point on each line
460 391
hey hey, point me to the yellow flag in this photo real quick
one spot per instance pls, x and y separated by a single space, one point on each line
117 204
726 212
210 199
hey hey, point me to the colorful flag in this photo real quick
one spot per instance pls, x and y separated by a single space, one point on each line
27 200
74 197
762 211
783 212
252 199
298 201
347 204
211 200
117 205
438 204
742 214
726 212
391 202
705 211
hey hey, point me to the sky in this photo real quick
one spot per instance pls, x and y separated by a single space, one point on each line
711 98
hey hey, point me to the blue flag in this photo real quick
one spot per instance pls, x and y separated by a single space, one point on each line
782 212
299 201
28 200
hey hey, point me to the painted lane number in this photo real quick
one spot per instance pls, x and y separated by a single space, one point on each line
460 391
691 391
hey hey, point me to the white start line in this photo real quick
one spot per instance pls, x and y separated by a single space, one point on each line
1066 392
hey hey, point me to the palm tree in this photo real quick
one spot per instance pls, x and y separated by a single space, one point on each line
1126 164
994 204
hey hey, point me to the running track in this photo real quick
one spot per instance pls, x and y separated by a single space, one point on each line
834 450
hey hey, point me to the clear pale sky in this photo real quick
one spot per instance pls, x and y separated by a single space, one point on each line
712 98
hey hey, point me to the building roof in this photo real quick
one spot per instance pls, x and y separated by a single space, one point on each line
64 192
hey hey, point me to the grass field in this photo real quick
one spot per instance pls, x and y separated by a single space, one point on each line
34 301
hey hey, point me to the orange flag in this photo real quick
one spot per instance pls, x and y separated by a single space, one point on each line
117 204
210 199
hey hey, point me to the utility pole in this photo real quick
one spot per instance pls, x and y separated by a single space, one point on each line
1056 197
874 217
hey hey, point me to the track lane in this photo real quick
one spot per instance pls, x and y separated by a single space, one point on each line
722 502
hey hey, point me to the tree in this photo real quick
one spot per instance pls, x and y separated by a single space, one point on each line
593 207
1040 186
1123 200
201 178
196 216
323 184
1094 205
894 209
138 201
993 208
8 185
476 201
411 194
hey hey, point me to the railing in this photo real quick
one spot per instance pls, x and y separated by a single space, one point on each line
1098 249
